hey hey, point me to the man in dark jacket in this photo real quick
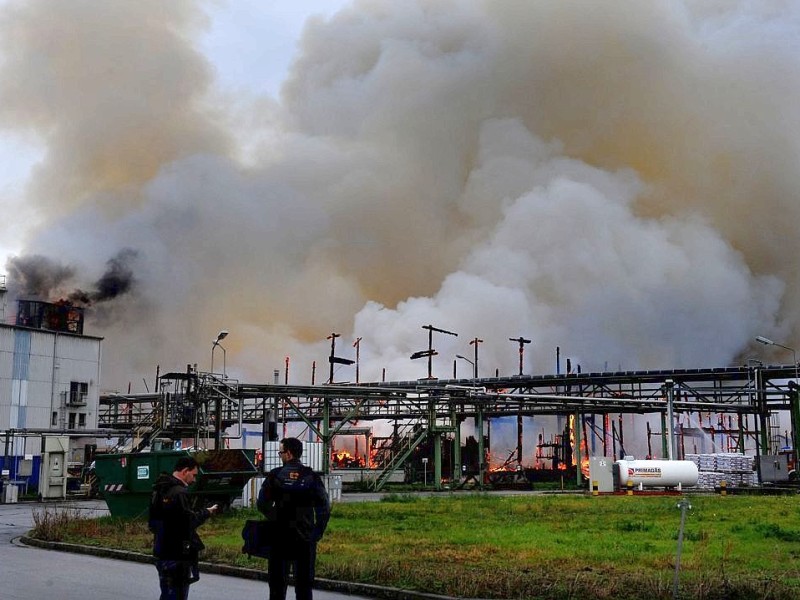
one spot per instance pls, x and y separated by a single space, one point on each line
176 544
293 497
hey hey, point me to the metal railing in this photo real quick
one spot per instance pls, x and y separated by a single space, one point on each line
407 446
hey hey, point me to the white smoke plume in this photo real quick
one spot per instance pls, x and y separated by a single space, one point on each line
619 180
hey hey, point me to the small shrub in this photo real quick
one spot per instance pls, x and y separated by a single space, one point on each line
400 498
52 525
634 526
773 530
693 536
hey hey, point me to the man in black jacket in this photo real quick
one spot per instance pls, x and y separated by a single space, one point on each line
176 544
293 497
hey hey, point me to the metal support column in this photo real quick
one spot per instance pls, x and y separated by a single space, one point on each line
481 449
740 443
670 387
437 460
218 422
578 455
264 436
456 447
326 438
763 412
794 401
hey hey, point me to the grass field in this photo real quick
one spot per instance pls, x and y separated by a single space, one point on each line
537 546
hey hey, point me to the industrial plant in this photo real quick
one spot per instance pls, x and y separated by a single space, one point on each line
733 426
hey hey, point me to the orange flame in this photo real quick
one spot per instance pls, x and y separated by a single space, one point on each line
343 459
572 440
584 449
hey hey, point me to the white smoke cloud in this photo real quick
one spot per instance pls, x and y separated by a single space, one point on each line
569 260
608 179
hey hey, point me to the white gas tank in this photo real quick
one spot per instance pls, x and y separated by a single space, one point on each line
664 473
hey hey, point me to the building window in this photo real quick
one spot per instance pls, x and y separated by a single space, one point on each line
71 420
82 420
78 391
54 421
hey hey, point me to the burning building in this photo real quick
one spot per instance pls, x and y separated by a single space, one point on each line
49 384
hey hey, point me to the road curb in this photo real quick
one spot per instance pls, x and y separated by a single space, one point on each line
331 585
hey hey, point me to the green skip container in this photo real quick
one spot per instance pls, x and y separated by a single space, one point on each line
126 480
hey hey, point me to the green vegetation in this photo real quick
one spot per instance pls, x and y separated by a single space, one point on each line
542 546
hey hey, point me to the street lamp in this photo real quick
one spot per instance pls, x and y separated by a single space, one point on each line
768 342
220 336
474 366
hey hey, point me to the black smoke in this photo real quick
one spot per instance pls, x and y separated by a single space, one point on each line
117 280
38 277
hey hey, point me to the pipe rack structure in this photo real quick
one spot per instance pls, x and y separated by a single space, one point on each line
201 404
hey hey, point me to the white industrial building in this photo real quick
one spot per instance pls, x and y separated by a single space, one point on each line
49 383
48 379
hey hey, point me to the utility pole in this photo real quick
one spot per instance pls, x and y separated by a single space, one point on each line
430 352
522 341
332 337
357 346
333 359
475 342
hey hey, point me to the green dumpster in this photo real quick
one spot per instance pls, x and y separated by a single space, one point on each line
126 480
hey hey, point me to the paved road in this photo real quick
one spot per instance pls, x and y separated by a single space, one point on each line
28 573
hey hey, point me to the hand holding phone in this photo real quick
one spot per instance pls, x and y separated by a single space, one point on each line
213 508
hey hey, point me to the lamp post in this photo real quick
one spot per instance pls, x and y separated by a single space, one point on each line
793 413
768 342
220 336
474 366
